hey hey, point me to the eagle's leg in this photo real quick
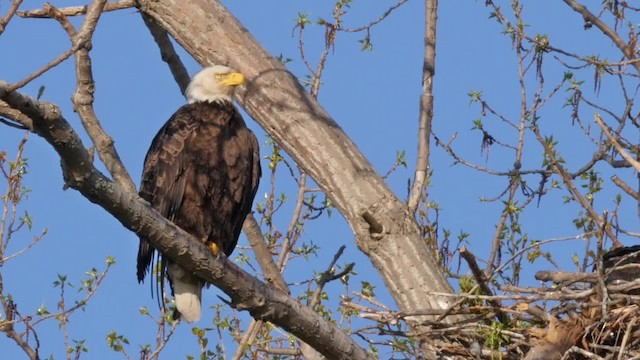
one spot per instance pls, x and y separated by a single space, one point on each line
214 248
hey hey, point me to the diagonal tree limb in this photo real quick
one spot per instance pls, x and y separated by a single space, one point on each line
384 229
426 105
616 144
571 187
246 292
168 53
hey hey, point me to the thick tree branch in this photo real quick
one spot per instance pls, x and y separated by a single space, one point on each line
426 105
384 229
23 122
246 292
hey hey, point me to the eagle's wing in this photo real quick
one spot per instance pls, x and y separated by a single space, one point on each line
163 177
246 176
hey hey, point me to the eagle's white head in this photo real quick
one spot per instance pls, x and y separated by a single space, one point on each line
213 83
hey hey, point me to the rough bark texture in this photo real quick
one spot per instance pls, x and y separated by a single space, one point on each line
383 227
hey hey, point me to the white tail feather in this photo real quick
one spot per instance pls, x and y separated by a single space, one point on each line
187 289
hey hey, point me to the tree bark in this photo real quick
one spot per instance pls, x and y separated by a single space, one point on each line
383 227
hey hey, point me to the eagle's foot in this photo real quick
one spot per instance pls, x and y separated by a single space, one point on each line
214 249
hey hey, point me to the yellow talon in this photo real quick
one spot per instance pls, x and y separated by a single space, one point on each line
214 249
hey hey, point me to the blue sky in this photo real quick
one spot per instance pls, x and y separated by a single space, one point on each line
372 95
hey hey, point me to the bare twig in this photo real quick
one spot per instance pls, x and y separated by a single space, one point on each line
376 21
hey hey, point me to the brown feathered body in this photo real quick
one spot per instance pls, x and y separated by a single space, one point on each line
201 172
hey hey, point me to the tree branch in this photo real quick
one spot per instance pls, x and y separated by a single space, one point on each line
168 53
246 292
15 4
426 105
85 87
271 272
627 51
280 104
616 143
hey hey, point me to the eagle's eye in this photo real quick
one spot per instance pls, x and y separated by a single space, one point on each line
218 76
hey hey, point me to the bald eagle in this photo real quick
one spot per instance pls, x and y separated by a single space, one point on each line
201 172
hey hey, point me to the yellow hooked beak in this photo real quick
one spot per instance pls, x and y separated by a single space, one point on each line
232 79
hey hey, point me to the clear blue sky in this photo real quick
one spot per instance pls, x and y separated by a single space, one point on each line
372 95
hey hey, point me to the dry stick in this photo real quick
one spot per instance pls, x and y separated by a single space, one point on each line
481 280
15 4
627 50
77 10
625 338
566 278
426 105
616 143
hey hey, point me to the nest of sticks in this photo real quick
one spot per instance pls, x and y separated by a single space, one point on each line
576 316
